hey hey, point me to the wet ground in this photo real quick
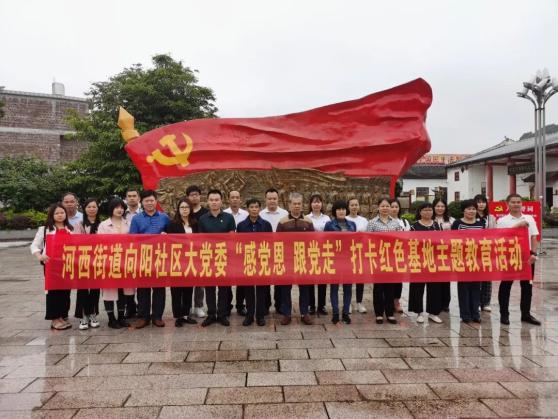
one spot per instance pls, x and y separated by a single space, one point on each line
319 371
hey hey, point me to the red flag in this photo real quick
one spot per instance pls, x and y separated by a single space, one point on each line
381 134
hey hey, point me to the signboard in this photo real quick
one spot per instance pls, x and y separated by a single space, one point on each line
533 208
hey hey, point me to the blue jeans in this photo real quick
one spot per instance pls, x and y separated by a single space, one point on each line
286 301
469 300
334 297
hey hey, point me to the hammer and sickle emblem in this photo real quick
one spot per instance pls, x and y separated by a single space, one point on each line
179 157
499 208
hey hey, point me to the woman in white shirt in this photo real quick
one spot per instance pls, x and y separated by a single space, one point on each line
57 301
116 224
395 213
361 224
445 221
319 220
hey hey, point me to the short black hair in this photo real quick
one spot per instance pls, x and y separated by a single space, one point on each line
340 204
193 188
253 201
382 199
132 190
271 190
146 193
70 193
215 192
421 207
513 195
468 203
115 203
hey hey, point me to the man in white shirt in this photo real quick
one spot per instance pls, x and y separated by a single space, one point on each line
70 202
234 209
516 219
239 215
273 213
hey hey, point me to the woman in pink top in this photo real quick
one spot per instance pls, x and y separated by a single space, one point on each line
116 224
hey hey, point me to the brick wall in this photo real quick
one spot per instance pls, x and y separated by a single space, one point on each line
34 124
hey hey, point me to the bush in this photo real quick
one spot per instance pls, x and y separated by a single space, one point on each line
409 217
20 222
38 218
454 209
3 221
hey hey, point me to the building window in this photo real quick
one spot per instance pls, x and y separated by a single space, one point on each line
456 176
422 191
456 196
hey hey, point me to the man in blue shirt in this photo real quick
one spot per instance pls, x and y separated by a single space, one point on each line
216 221
255 302
150 221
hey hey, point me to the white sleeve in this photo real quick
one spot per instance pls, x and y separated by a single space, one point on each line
533 230
38 242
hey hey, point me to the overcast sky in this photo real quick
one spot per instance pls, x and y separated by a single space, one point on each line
274 57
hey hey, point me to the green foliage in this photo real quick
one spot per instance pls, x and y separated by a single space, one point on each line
410 217
165 94
11 220
2 112
454 209
29 183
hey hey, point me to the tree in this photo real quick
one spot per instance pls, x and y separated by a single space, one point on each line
29 183
165 94
1 109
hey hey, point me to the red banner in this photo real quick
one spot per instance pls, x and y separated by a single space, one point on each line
532 208
128 261
381 134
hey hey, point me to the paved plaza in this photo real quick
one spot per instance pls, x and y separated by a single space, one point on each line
319 371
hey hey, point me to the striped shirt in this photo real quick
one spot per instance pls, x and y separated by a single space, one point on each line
462 225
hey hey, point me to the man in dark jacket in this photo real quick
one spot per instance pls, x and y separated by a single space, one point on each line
295 221
255 300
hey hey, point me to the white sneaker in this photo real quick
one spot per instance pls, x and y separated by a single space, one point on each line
488 309
84 323
93 322
350 309
200 312
434 318
361 308
420 318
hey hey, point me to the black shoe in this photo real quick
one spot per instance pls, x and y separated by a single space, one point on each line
224 321
209 320
322 311
530 319
505 320
260 322
113 323
312 310
247 321
179 322
241 311
189 320
392 320
123 322
335 318
346 318
379 320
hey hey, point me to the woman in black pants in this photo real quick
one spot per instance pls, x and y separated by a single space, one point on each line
87 302
434 290
183 222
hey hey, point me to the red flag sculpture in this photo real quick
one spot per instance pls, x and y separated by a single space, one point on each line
381 134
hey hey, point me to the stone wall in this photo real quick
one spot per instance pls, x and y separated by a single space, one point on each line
34 125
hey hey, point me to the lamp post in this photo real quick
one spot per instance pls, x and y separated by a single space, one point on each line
538 90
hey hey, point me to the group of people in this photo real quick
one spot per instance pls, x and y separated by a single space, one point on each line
138 214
